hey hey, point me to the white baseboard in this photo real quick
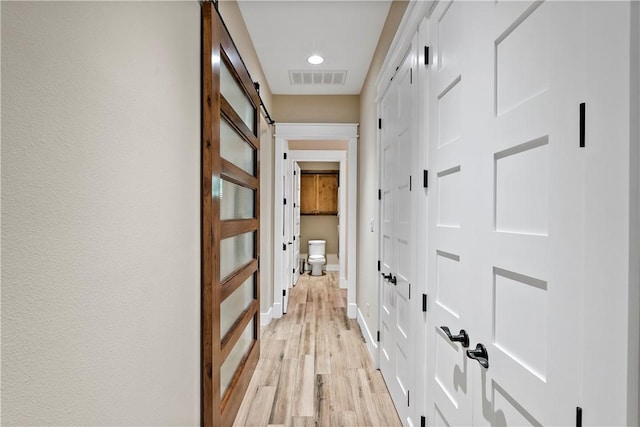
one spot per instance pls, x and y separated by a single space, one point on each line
343 283
332 267
265 318
276 313
352 310
372 344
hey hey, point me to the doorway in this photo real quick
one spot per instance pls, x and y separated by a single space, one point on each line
318 210
344 139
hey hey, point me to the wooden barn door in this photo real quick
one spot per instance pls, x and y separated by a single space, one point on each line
230 224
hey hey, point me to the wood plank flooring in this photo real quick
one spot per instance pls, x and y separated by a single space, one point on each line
314 367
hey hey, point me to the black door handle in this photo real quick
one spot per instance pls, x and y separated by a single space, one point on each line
394 280
462 337
386 276
480 354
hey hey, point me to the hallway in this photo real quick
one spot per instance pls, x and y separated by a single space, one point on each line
314 367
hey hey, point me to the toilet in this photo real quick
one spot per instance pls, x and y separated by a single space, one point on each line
316 256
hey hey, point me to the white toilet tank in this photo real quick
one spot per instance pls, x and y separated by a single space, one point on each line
316 247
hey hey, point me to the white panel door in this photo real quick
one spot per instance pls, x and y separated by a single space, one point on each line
388 214
296 222
399 109
449 203
531 280
506 212
287 231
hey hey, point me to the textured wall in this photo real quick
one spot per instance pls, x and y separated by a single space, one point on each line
100 213
368 174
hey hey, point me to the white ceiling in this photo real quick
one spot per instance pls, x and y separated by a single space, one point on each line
286 33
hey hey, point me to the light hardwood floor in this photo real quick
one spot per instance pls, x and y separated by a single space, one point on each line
314 367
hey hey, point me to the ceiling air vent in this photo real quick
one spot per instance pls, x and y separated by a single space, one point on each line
304 77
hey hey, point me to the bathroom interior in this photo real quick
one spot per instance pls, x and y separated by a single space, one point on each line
319 216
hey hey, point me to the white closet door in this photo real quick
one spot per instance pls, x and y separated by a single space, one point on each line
296 223
449 234
388 214
399 138
530 266
507 218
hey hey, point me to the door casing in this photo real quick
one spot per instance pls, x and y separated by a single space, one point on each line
286 132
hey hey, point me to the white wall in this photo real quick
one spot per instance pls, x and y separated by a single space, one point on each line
100 213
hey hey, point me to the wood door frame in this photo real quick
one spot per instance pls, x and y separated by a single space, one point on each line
286 132
217 46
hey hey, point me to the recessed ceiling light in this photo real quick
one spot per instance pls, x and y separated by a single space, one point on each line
315 59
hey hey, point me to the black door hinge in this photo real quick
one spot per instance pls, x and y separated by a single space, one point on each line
426 55
379 194
378 336
379 123
583 119
423 419
408 398
295 173
284 292
409 290
425 178
285 156
378 265
409 182
578 416
284 247
294 271
410 76
285 201
258 259
294 238
424 303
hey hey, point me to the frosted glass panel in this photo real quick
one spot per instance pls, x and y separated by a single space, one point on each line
235 149
235 304
236 202
230 365
235 252
236 97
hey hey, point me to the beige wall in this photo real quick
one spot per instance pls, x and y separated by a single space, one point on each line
100 213
230 12
319 166
368 177
316 108
319 227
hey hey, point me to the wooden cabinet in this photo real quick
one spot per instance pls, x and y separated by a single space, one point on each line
308 193
319 193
